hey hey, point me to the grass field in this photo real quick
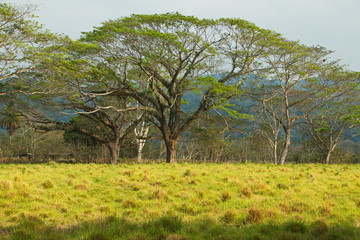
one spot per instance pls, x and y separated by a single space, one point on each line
180 201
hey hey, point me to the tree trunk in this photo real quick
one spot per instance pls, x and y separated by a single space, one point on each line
141 134
170 151
328 154
114 148
327 157
275 151
140 145
286 147
139 156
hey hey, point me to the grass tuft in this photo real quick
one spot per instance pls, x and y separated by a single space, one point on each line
225 196
295 227
189 173
47 184
282 186
129 204
228 217
158 194
319 228
247 192
255 215
187 209
292 207
325 210
6 185
80 186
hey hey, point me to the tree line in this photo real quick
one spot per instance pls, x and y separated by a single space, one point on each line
195 88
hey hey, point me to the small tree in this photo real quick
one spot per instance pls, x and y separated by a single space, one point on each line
334 123
11 120
105 126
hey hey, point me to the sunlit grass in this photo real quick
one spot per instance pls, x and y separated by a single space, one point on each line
307 201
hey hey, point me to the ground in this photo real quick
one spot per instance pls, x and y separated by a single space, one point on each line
179 201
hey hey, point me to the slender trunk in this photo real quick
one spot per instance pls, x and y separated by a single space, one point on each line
140 145
327 157
286 147
275 151
139 156
328 154
141 134
170 150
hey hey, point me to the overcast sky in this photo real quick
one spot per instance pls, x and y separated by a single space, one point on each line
334 24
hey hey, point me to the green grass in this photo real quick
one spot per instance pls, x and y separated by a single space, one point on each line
180 201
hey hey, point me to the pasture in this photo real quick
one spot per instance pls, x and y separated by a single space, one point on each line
179 201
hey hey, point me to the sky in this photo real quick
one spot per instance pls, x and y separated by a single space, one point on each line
333 24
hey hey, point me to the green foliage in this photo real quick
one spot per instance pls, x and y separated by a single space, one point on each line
11 121
74 132
24 42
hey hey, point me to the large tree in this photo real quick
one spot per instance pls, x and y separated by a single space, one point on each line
169 55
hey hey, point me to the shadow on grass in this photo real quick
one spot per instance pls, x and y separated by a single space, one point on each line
173 228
